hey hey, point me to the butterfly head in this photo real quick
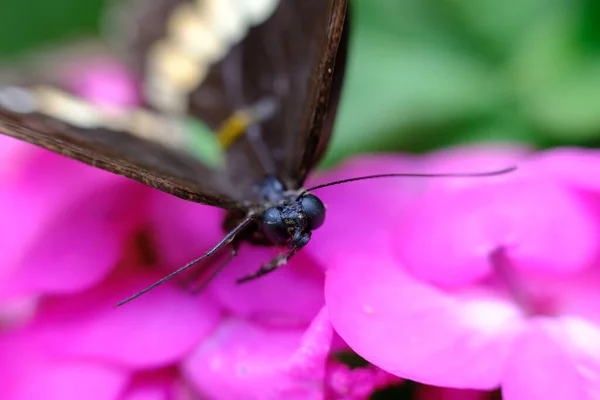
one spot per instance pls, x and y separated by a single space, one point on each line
283 222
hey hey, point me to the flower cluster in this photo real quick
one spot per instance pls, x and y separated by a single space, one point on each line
481 283
76 240
472 284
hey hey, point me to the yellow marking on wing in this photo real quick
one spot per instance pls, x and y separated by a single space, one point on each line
241 120
233 128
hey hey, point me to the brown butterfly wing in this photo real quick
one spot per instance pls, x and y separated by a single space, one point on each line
161 167
124 154
297 49
289 58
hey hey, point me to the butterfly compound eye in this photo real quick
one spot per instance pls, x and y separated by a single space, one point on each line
314 210
273 226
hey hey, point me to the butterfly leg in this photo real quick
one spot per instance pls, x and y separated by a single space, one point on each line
229 238
298 241
204 281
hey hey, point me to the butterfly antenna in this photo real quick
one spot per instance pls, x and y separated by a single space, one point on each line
225 241
409 175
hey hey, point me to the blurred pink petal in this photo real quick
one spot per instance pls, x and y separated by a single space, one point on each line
555 360
417 331
490 281
309 359
575 167
81 231
245 360
182 230
152 331
14 155
17 312
290 296
30 374
521 215
357 211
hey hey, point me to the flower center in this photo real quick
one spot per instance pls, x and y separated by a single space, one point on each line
520 289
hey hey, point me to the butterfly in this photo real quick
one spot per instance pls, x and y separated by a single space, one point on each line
256 82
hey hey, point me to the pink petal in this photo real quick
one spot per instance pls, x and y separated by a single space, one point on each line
369 205
555 360
542 225
245 360
309 359
154 330
14 155
17 312
578 295
573 166
183 230
76 246
241 360
56 240
28 374
290 296
416 331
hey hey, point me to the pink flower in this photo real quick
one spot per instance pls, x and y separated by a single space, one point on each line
275 341
75 240
53 212
479 283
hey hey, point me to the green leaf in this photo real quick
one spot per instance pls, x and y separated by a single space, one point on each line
556 80
497 24
393 85
569 108
31 23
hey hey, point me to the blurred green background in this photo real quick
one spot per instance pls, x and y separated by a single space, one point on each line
425 74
